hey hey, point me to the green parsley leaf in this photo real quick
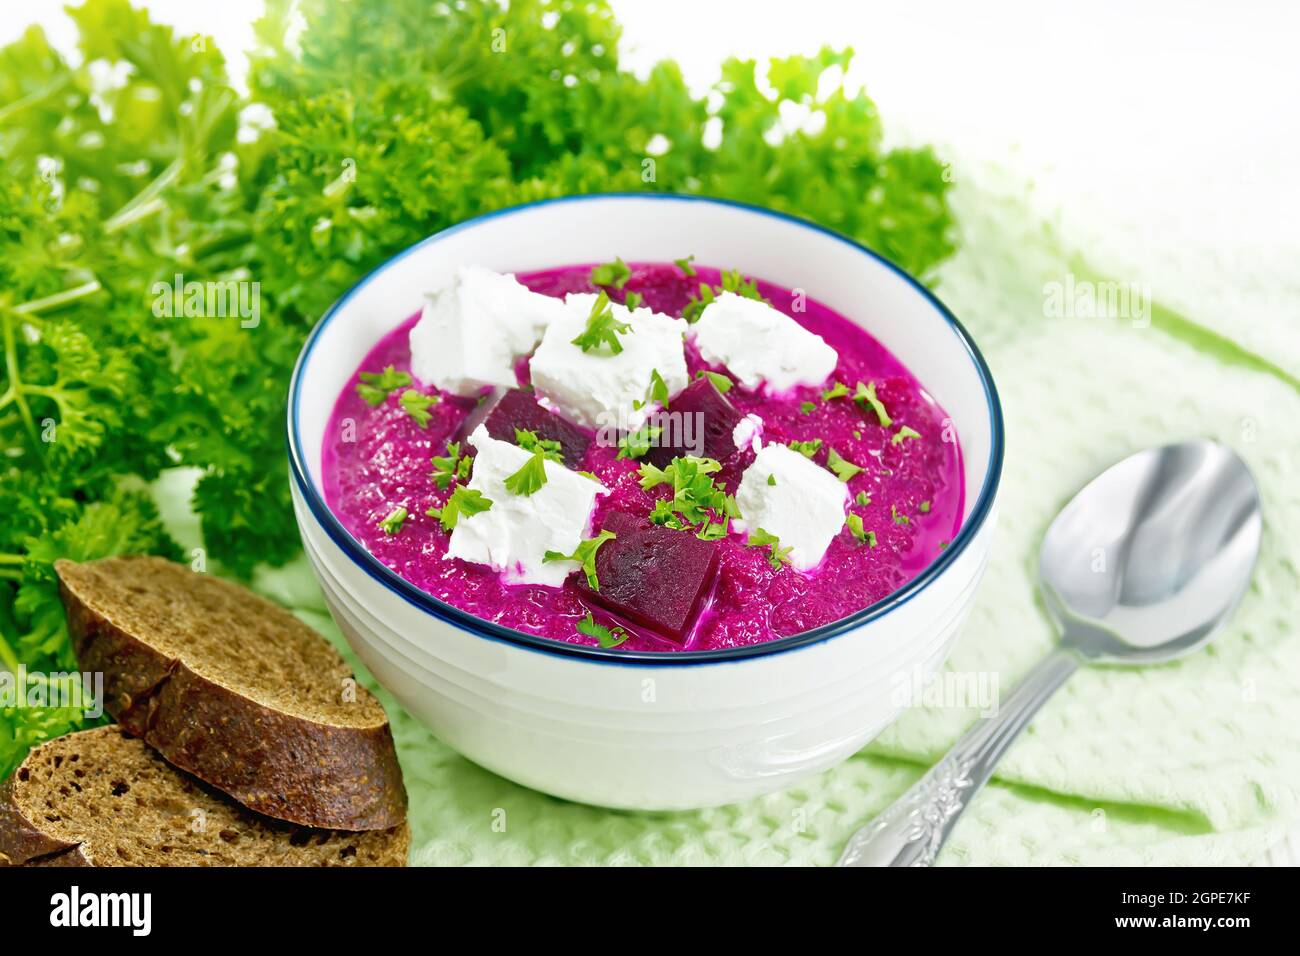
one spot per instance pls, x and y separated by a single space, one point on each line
807 408
734 282
417 405
696 497
696 306
865 396
585 555
614 273
863 498
838 390
844 469
450 467
607 637
632 301
688 270
807 448
714 530
602 329
374 387
720 381
393 523
658 388
898 516
637 443
858 531
548 447
529 479
771 480
904 432
924 507
463 501
776 555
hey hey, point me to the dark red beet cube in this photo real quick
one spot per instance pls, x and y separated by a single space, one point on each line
518 408
713 419
652 576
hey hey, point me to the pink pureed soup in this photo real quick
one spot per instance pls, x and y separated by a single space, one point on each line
908 494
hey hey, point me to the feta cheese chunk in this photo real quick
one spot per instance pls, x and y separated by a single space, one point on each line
473 330
514 534
760 345
600 389
804 506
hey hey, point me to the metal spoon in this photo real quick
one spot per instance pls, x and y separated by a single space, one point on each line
1141 567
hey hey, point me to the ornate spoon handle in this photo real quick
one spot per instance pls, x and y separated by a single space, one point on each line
912 830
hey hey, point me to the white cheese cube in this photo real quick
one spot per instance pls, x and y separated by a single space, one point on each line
804 507
514 534
473 331
598 389
760 345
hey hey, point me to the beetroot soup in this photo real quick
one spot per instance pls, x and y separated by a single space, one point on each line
660 457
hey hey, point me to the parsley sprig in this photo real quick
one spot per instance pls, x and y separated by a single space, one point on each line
602 329
732 281
463 501
607 637
585 555
374 387
392 524
697 498
549 448
450 467
614 273
776 555
416 404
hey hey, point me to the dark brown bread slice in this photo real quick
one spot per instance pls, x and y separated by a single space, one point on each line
103 798
235 690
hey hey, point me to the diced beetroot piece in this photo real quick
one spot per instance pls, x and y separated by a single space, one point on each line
518 408
652 576
705 413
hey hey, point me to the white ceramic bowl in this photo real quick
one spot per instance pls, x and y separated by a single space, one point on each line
650 731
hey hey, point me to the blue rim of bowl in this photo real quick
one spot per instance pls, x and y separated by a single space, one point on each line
487 629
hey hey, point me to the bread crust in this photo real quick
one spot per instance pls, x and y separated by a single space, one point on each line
24 843
282 765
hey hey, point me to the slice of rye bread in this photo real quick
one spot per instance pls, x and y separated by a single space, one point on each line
103 798
235 690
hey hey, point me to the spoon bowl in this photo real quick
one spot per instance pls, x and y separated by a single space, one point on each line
1153 554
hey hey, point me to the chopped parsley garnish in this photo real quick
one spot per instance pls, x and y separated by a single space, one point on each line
688 270
614 273
463 501
733 281
838 390
530 478
528 441
606 637
771 480
899 517
393 523
658 388
714 530
903 432
696 497
637 443
858 531
450 467
374 387
865 396
720 381
696 306
863 498
924 507
807 448
632 300
862 534
843 468
807 408
776 555
602 329
585 555
417 405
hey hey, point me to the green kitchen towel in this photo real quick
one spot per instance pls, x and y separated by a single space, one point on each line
1196 761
